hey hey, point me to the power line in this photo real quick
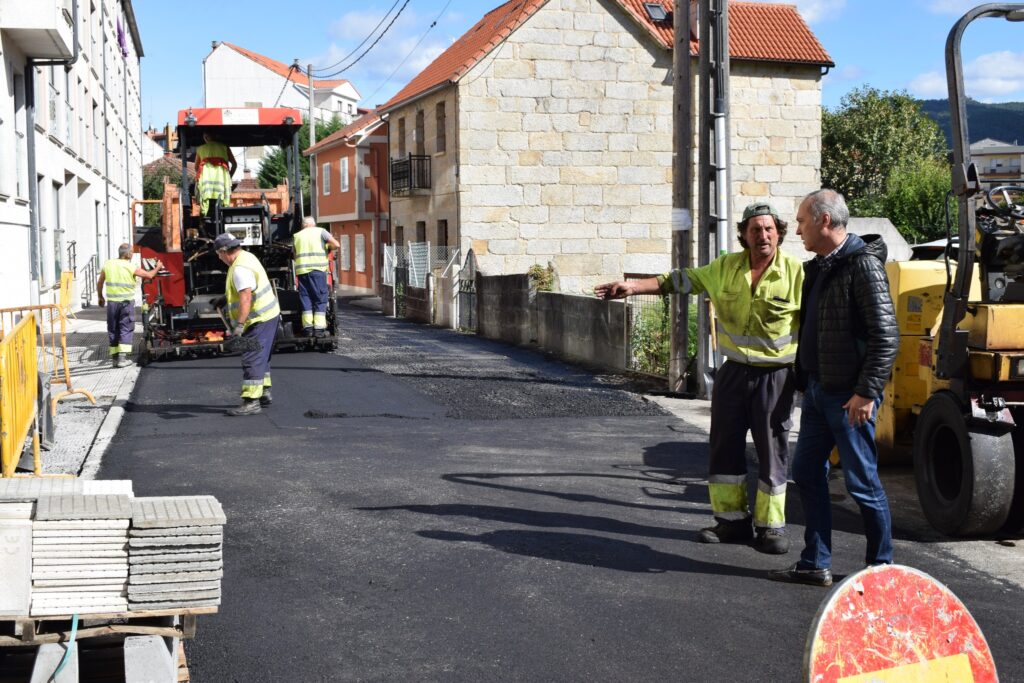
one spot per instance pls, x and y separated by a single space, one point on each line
356 48
409 53
367 50
287 79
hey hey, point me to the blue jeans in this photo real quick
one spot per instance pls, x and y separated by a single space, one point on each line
823 424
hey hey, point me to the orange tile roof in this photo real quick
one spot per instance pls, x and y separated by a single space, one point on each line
757 32
283 69
360 124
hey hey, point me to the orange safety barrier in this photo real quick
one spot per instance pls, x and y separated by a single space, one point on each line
54 362
19 389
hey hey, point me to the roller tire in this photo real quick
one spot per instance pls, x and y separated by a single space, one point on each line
965 476
1015 520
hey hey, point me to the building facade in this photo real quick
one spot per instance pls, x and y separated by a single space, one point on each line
557 134
234 76
352 197
998 163
70 140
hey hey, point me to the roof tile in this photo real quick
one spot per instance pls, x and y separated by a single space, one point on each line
757 31
283 69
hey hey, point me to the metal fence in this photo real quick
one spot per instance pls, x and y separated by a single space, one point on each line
649 331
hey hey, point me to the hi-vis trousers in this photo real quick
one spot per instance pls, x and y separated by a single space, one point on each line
759 400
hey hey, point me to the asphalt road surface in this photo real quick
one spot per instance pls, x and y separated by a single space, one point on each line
425 505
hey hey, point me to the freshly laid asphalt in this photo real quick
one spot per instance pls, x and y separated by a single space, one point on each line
425 505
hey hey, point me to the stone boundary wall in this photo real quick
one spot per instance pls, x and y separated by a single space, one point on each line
387 300
583 329
505 310
417 304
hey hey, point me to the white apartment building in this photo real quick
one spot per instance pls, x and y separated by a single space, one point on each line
70 140
234 76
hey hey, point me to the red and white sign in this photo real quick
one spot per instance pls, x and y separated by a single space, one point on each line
242 116
895 624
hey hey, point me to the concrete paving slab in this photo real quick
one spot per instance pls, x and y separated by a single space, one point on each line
82 610
69 561
171 531
141 588
74 583
84 507
121 552
48 658
114 587
64 524
92 487
174 557
75 549
76 537
174 577
43 600
178 550
134 595
17 510
15 565
175 604
93 573
163 568
149 659
34 488
80 568
158 541
177 511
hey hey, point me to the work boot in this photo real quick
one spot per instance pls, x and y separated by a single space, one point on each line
771 541
126 361
250 406
739 531
798 574
320 332
116 360
267 398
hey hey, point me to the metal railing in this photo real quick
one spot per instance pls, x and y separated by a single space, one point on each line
649 331
90 273
20 390
410 173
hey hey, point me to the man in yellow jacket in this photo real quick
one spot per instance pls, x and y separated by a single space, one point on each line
117 281
756 294
215 164
252 307
310 246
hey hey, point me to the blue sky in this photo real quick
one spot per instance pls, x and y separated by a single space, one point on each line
889 44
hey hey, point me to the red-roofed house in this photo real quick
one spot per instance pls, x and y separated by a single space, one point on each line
545 134
352 165
236 77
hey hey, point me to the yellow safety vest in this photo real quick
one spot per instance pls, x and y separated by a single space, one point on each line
119 279
310 253
755 328
264 301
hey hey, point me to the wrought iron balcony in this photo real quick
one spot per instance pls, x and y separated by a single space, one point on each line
410 173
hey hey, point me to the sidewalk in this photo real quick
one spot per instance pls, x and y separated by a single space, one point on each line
82 430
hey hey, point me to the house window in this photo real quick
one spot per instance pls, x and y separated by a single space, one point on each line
419 134
401 137
440 122
399 235
360 253
326 178
343 171
421 231
346 255
442 233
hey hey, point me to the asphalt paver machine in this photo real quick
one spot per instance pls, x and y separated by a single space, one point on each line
183 305
956 399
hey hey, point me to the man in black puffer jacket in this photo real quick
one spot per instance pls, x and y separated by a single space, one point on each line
848 343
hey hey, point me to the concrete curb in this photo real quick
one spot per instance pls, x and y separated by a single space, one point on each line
108 428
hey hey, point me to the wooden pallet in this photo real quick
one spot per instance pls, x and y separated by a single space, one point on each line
32 631
183 676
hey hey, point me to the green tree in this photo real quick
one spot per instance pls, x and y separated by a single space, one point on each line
153 177
274 168
915 199
868 135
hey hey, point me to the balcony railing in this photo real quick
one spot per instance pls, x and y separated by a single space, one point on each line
410 173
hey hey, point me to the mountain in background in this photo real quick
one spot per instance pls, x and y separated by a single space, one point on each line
1000 121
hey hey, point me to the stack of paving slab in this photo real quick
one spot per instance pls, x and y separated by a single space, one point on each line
175 553
72 546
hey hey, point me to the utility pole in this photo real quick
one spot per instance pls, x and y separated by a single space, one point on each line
682 188
713 178
312 141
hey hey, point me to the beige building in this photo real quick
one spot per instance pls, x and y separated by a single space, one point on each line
544 134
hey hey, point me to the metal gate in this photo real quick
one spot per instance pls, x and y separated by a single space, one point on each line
467 293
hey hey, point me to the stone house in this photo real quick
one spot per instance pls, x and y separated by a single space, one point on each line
544 134
352 197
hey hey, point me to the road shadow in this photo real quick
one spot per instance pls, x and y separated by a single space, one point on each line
174 411
591 551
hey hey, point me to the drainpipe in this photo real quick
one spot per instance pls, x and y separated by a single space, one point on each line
106 128
35 258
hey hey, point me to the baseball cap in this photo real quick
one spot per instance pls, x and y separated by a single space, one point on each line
760 209
226 241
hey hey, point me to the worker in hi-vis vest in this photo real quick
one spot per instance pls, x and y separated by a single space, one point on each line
756 293
215 164
253 308
310 246
117 280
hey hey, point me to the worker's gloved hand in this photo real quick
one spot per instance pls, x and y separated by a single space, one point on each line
234 329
